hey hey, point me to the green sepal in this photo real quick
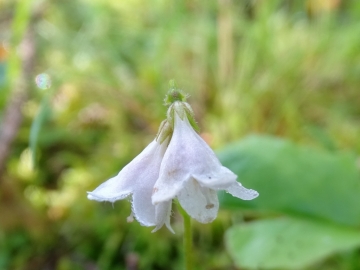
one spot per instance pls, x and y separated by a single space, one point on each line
174 94
190 116
165 131
183 109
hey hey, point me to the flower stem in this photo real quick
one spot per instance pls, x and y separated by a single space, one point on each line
187 239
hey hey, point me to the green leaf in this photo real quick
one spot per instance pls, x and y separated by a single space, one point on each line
20 22
36 125
295 179
287 243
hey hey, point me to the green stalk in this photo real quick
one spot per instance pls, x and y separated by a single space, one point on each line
20 22
187 239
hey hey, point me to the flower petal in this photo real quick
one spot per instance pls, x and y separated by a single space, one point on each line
142 169
189 156
237 190
112 190
163 211
220 180
143 209
200 203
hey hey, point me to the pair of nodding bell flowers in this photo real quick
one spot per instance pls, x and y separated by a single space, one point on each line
179 164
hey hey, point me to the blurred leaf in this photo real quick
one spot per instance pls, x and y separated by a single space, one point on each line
36 125
287 243
21 18
2 73
295 179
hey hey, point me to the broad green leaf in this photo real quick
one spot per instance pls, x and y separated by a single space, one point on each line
287 243
295 179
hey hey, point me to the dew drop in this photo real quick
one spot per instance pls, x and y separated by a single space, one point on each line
43 81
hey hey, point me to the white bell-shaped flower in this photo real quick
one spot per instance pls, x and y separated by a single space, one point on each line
137 179
191 171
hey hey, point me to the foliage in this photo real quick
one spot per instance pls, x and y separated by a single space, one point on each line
287 243
320 189
296 180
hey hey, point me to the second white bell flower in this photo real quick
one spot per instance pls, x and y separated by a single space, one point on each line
191 172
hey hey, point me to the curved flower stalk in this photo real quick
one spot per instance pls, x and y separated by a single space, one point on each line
192 173
137 179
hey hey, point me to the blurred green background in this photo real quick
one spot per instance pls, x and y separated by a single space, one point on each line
287 71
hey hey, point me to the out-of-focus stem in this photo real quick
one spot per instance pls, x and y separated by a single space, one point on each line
225 33
19 86
187 239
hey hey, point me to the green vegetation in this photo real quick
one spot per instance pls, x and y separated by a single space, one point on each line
285 69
